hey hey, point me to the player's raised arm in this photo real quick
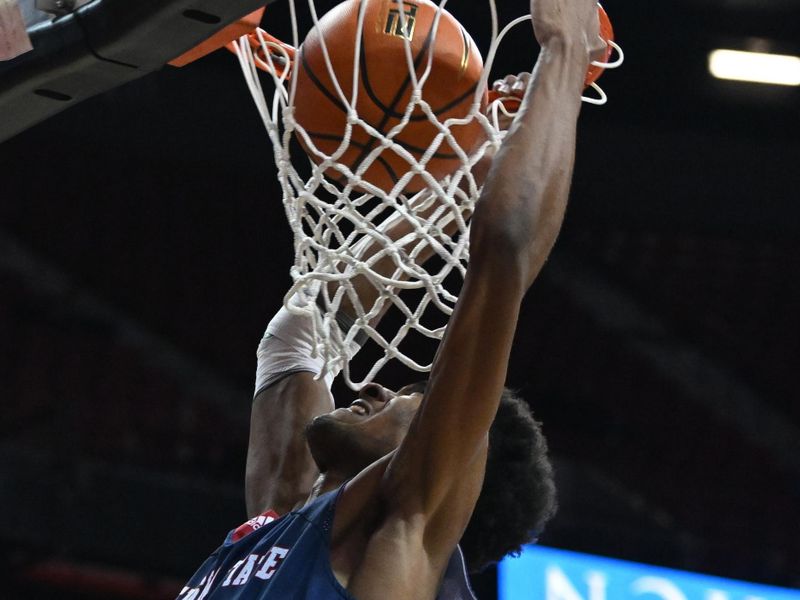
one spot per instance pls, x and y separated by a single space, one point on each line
436 473
280 472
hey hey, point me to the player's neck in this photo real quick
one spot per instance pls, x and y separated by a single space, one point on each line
326 482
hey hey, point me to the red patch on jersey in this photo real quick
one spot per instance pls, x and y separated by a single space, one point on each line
250 526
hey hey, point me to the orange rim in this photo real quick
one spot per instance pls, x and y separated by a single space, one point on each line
606 32
238 28
282 58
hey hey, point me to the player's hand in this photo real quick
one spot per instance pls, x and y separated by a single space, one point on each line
572 22
511 90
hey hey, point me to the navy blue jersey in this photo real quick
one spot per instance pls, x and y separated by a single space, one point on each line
287 558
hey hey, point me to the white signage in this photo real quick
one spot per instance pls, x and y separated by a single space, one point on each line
547 574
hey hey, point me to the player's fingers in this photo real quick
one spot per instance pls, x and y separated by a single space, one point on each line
519 84
512 85
503 88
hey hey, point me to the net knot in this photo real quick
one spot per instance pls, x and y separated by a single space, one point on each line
347 226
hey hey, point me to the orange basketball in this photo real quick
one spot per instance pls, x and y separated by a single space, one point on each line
385 86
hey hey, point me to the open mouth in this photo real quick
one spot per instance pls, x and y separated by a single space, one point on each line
360 407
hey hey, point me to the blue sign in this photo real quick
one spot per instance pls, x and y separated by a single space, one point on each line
546 574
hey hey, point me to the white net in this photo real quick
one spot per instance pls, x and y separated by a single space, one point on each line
362 249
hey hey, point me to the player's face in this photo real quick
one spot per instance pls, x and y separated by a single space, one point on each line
349 439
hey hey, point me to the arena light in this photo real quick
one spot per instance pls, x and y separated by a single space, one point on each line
758 67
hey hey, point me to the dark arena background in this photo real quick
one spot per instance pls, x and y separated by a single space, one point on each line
143 248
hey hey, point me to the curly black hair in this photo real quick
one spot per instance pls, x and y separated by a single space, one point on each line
518 495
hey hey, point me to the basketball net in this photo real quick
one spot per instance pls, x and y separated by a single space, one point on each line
340 230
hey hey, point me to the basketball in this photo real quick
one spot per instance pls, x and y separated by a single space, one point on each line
385 87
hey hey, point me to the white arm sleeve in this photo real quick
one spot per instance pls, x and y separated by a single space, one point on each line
286 348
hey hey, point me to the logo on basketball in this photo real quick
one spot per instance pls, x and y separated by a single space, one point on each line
401 27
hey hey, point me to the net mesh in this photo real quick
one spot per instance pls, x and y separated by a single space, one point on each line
355 241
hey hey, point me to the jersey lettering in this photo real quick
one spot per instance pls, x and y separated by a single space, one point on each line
202 589
273 560
242 571
244 574
232 572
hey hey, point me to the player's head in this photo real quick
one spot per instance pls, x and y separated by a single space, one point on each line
518 496
348 440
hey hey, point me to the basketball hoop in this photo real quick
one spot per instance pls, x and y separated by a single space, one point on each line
344 218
